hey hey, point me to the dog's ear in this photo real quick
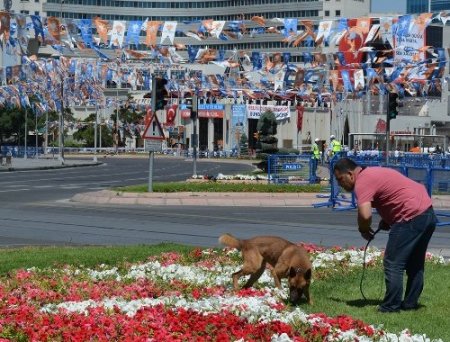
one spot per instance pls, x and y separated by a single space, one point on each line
308 274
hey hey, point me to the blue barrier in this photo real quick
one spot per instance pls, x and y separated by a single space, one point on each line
19 151
433 171
290 169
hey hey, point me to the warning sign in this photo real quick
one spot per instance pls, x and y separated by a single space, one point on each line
153 130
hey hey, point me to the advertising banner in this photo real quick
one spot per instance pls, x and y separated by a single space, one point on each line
254 111
206 110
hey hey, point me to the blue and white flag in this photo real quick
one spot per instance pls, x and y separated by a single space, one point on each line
290 27
133 32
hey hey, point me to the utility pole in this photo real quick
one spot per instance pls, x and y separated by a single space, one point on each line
25 133
61 125
95 132
46 132
151 153
36 134
388 130
194 117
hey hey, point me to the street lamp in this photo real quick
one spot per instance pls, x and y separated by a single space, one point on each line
95 132
61 125
117 118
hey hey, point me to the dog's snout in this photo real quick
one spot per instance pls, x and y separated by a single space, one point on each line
294 295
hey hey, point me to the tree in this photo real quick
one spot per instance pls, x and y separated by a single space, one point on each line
129 117
12 125
86 133
267 141
267 129
243 145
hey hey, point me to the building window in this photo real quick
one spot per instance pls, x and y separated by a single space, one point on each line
327 13
36 12
338 13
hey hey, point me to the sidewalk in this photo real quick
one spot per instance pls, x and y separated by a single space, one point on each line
44 163
229 199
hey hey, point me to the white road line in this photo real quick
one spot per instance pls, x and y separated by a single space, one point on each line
28 189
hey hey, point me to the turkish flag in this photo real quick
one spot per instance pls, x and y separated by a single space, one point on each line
171 112
300 111
148 117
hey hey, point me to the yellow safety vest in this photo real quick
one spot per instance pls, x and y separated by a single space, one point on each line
336 146
315 151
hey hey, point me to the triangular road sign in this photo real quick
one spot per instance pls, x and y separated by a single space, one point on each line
153 130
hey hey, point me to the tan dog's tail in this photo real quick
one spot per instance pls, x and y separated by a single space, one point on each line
230 241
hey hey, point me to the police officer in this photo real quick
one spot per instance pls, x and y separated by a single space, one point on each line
335 145
315 157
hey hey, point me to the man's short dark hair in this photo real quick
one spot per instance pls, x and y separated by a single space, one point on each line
344 165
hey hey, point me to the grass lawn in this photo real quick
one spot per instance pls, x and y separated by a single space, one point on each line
333 295
211 186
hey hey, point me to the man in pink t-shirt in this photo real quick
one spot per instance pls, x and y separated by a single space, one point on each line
406 210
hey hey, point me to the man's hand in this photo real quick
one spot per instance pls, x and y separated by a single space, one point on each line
367 234
384 226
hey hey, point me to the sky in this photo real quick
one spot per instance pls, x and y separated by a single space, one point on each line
387 6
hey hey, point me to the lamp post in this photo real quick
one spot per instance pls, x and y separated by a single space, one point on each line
95 132
116 138
61 125
36 134
46 132
25 134
61 115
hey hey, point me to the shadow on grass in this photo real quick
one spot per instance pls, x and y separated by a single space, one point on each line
358 302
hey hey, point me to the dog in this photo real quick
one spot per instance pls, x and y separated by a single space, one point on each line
287 260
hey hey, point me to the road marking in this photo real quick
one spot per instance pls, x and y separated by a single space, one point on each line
28 189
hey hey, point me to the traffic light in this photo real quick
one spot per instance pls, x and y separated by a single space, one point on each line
161 93
393 103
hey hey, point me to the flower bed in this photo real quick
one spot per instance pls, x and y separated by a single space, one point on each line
257 179
174 297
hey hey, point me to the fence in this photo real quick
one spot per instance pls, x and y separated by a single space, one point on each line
290 169
433 171
19 151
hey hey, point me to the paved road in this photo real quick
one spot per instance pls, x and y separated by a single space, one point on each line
36 209
26 184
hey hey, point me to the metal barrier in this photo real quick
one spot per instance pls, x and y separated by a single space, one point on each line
430 170
19 151
290 169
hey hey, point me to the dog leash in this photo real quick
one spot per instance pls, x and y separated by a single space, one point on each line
365 265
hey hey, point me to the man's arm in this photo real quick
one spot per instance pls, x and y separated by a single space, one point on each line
365 220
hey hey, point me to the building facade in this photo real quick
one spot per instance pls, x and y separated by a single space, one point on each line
214 132
319 119
424 6
30 7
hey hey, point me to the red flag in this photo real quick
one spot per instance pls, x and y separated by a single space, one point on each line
171 112
148 117
300 110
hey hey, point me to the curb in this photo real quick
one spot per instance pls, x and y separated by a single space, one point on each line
227 199
233 199
47 167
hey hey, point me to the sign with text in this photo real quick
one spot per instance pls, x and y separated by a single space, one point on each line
254 111
152 145
205 110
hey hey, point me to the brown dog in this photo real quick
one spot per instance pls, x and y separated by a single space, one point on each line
287 260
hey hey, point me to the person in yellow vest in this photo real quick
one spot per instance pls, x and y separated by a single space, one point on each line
335 145
315 157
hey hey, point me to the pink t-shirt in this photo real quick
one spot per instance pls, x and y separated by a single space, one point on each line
396 197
